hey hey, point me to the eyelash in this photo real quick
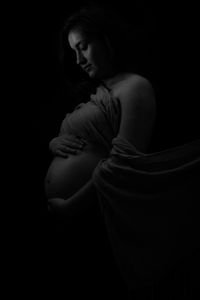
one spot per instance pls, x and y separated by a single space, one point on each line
83 48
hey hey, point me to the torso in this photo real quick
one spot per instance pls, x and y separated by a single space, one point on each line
65 176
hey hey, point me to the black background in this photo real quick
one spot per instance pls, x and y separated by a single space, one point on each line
40 106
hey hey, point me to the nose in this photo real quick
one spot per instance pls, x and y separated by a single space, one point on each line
80 59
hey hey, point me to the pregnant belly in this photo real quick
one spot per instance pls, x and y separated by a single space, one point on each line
65 176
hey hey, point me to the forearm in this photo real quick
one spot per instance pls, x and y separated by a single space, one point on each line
80 201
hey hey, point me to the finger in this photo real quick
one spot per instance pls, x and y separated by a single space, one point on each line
75 139
72 138
61 153
68 150
82 140
73 145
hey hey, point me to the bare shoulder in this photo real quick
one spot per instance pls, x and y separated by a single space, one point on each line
134 90
137 100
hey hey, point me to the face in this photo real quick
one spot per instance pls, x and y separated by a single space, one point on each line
91 54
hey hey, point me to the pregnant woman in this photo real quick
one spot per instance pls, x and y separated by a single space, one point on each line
123 104
148 200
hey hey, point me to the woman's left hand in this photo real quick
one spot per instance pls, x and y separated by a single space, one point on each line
56 205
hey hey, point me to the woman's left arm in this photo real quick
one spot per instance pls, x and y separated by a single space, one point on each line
76 204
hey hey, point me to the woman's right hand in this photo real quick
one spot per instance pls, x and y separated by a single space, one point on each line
66 144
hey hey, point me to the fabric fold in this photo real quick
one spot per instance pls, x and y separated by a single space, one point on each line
97 120
150 205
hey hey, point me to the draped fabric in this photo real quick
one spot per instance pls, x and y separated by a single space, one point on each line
150 204
97 120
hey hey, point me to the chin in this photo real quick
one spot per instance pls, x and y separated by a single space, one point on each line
92 74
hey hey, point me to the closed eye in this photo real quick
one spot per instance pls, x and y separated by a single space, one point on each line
83 47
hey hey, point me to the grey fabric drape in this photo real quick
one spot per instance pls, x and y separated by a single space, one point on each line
151 206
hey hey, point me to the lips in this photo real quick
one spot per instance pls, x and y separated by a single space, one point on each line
86 68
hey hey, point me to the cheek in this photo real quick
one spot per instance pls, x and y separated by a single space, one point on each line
98 56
